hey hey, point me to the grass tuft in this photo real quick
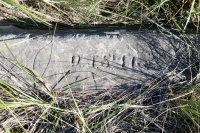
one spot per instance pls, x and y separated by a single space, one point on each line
81 12
28 105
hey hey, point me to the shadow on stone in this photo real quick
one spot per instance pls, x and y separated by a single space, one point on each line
97 58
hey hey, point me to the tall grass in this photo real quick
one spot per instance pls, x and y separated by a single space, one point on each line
30 109
82 12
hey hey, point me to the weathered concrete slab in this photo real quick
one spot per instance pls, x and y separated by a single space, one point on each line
94 58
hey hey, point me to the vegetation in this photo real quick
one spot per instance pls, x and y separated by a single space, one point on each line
121 109
175 13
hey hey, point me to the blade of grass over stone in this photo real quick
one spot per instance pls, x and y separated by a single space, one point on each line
154 22
37 78
18 63
25 40
80 113
81 83
31 74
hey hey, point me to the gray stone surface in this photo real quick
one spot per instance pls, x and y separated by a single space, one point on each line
93 58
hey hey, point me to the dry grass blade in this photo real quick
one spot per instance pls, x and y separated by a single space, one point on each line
28 105
81 12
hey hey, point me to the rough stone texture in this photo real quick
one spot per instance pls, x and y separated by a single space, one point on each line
94 58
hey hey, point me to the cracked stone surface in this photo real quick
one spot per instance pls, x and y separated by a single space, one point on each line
94 58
